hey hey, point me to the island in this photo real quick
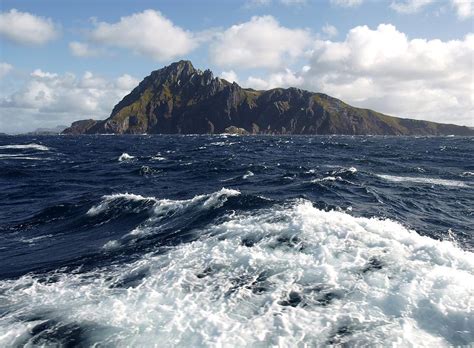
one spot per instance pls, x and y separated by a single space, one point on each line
179 99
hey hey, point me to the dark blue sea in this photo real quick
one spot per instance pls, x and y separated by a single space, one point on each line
233 241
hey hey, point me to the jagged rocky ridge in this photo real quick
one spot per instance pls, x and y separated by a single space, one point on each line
184 100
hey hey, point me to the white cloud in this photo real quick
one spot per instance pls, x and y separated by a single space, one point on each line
257 3
464 8
148 33
230 76
281 79
26 28
347 3
385 70
410 6
38 73
48 99
329 30
83 49
259 43
126 82
5 68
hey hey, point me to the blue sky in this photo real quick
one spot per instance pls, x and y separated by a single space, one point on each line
67 60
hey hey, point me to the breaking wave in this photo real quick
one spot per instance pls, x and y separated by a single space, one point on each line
422 180
26 147
287 275
125 157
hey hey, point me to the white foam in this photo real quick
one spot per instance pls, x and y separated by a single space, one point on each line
29 158
248 175
26 147
108 199
219 292
423 180
213 200
222 143
327 178
352 169
125 157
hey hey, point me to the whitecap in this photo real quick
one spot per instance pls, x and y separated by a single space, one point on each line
213 200
423 180
108 199
20 157
222 143
327 178
248 175
125 157
32 146
111 244
286 276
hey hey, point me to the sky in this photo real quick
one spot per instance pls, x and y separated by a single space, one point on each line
62 61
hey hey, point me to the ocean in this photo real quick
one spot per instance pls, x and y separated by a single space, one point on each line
190 241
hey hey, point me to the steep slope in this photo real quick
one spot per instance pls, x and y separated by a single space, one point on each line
182 99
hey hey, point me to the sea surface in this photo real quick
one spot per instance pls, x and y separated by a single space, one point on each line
236 241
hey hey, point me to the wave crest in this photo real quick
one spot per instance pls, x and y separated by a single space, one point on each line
289 275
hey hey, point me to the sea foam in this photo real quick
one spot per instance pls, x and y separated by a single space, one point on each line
125 157
286 276
26 147
423 180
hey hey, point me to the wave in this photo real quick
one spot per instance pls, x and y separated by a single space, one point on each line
290 275
222 143
342 171
326 178
208 200
19 157
423 180
125 157
26 147
248 174
109 200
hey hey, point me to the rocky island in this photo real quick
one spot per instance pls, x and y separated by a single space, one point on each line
179 99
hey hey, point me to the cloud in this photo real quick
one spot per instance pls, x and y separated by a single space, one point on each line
259 43
464 8
410 6
5 68
257 3
147 33
48 99
329 30
26 28
385 70
83 49
230 76
285 78
347 3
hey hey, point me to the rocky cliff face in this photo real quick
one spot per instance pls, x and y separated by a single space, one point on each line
181 99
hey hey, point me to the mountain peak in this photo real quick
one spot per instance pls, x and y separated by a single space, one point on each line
180 69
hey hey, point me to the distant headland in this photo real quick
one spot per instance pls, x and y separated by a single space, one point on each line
179 99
